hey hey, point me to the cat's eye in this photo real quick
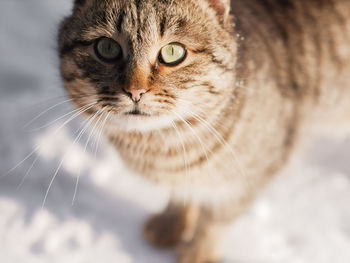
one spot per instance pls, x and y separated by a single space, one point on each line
172 54
108 50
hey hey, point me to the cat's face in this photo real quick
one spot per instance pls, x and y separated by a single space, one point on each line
148 62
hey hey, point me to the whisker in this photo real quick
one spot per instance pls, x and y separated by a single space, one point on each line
58 119
87 142
195 134
184 154
47 101
219 137
64 157
72 98
100 133
27 173
210 127
85 108
47 110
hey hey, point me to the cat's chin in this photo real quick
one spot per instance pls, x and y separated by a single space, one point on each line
139 123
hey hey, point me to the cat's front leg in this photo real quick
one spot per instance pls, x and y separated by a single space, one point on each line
207 244
177 223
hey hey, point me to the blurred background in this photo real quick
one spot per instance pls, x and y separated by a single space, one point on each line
304 216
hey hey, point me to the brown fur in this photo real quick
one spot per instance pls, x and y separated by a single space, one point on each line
217 127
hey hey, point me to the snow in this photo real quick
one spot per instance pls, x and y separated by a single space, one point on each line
303 216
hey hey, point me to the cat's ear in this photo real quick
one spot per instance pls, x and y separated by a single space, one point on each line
221 7
80 4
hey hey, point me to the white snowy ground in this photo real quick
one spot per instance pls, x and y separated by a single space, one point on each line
304 216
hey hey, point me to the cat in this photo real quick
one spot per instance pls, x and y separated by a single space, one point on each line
207 97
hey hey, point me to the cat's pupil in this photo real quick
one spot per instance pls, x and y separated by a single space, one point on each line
170 50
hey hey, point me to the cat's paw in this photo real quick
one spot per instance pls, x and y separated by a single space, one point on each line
196 253
165 230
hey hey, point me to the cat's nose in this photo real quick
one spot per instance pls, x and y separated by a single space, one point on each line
135 94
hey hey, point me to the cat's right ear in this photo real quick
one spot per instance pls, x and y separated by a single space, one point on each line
222 9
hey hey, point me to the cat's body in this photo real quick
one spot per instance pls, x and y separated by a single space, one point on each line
240 102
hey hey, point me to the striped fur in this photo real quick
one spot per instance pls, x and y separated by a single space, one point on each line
218 126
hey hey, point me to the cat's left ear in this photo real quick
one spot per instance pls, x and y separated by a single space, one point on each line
222 8
81 4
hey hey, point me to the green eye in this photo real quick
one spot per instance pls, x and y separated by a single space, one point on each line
172 54
107 49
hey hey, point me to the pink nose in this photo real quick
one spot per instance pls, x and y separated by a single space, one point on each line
135 94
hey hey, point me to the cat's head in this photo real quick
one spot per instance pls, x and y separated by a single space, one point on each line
148 62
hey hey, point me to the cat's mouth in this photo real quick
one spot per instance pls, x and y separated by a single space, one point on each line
136 112
137 119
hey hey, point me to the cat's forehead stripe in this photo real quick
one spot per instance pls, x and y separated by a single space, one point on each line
162 26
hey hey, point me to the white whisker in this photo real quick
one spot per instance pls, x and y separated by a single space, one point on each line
184 154
87 142
100 133
196 135
56 120
87 107
64 157
219 137
41 114
27 173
